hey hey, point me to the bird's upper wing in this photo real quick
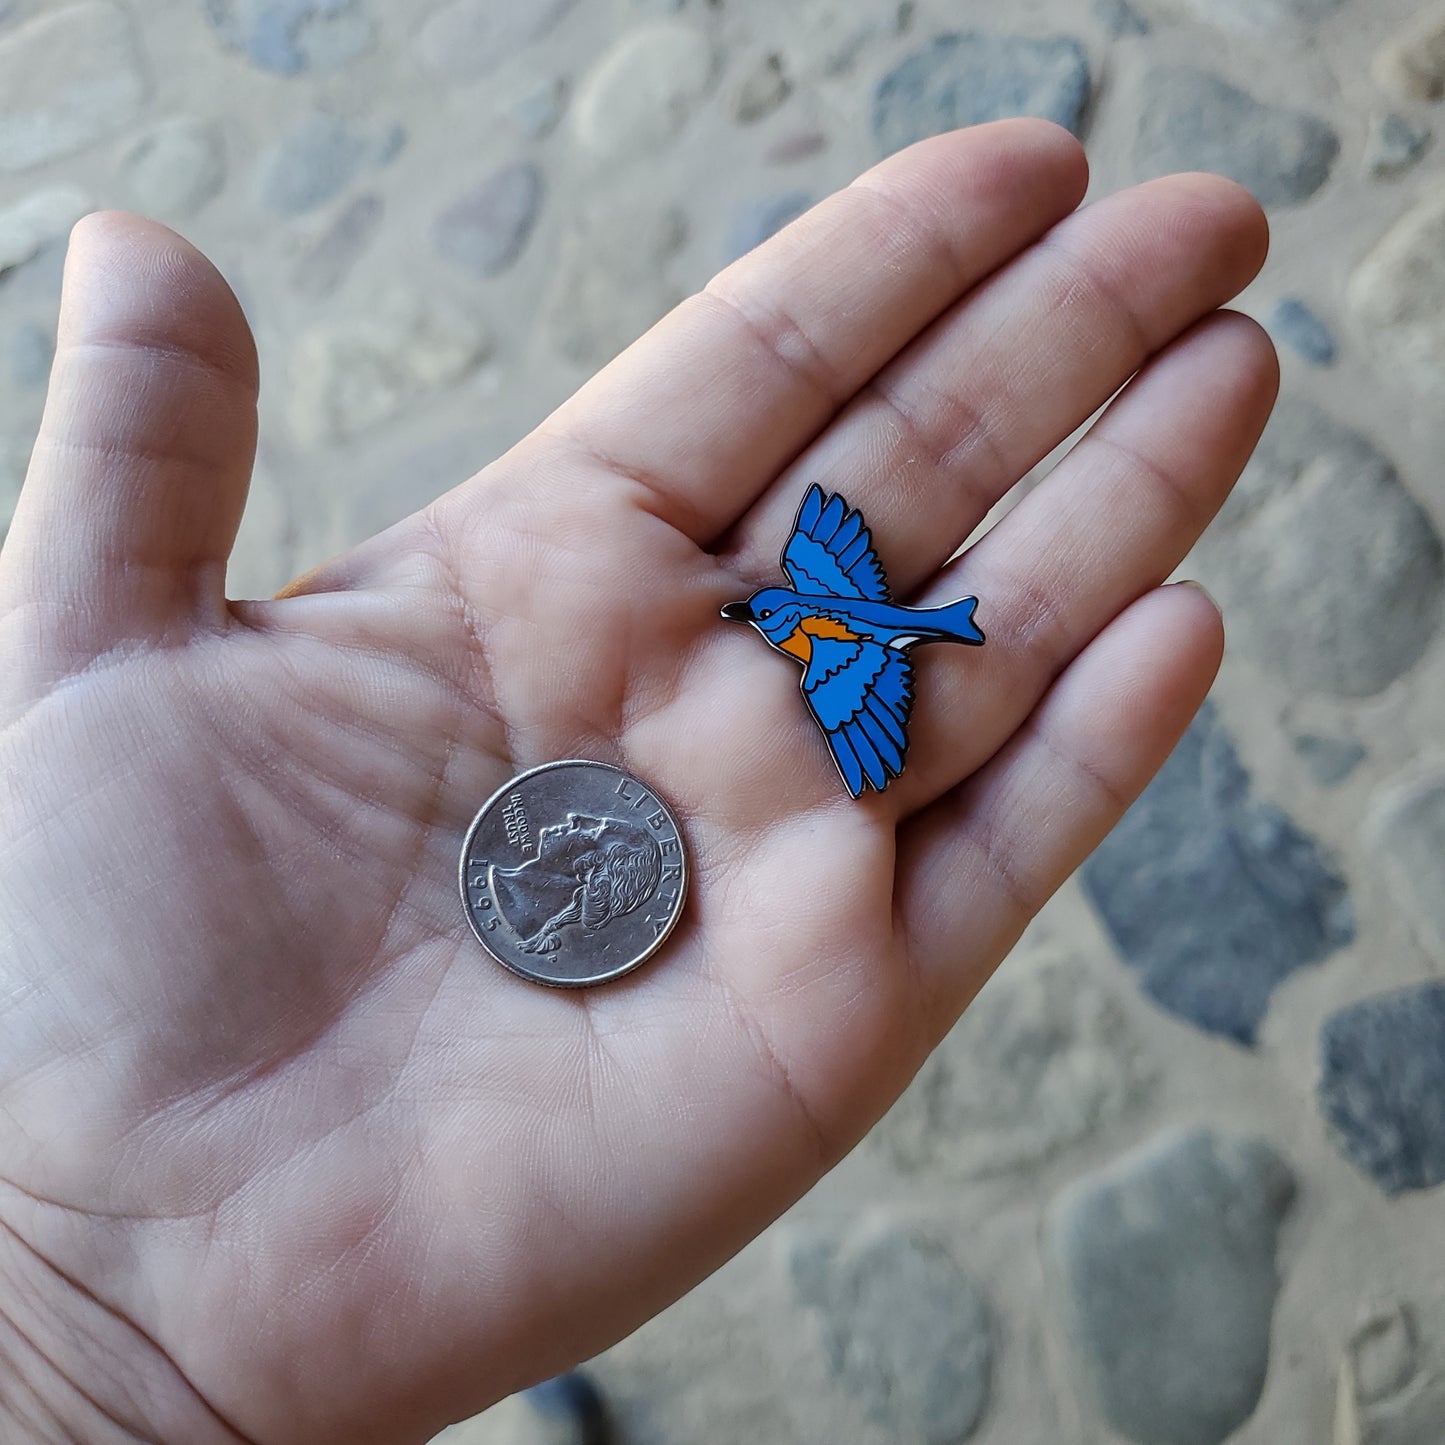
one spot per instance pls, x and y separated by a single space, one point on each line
861 692
831 553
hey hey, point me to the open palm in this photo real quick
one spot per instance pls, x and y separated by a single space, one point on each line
285 1155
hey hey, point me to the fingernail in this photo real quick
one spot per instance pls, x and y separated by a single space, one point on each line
1200 587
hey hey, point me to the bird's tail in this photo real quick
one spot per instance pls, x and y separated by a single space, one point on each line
954 623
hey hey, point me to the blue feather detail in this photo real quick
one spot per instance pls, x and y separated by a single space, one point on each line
860 692
830 552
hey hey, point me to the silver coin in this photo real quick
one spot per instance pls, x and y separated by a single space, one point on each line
573 874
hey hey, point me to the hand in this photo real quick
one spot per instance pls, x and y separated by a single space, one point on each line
286 1156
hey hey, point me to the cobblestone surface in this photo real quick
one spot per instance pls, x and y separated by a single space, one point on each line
442 217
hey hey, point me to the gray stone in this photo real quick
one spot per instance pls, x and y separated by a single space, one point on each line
32 349
1382 1086
535 104
1120 18
1329 760
754 221
38 221
1294 324
966 79
1394 144
761 91
317 161
1189 120
644 90
485 231
68 78
1406 829
1412 65
1166 1261
363 369
823 39
1043 1059
906 1333
1383 1353
1388 1394
292 36
1397 295
612 277
176 167
328 260
471 38
1258 14
1331 572
1211 896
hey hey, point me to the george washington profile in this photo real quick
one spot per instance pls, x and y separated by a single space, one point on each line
587 872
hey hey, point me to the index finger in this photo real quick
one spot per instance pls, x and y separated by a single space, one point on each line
707 408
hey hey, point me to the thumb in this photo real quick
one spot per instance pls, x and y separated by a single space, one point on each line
139 474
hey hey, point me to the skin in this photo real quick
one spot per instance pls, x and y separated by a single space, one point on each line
284 1156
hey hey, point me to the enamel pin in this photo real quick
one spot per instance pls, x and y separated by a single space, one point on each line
836 618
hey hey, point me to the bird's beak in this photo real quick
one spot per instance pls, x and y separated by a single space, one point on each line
738 612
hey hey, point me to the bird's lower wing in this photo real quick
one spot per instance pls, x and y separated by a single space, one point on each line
860 693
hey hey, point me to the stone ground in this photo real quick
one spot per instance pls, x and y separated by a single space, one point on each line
1176 1178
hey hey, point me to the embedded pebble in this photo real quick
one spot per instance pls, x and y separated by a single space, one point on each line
363 369
1382 1086
754 221
565 1411
1406 829
644 90
68 78
796 146
1120 18
1329 760
1190 120
1394 144
317 161
328 260
761 91
1332 573
471 38
966 79
1293 323
612 276
293 36
39 220
1412 65
907 1334
485 231
1043 1058
1383 1353
1166 1261
175 167
1211 896
1397 294
32 349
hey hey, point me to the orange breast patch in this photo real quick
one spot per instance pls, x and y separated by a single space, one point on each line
800 641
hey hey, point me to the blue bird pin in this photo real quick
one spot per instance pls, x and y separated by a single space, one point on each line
837 620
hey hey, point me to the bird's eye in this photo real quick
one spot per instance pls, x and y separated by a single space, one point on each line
766 612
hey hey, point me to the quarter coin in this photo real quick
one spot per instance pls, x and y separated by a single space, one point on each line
573 874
